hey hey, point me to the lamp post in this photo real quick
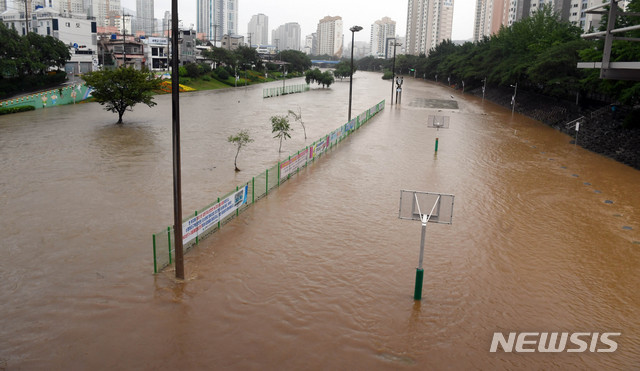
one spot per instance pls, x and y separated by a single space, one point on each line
177 168
353 30
484 87
513 99
393 70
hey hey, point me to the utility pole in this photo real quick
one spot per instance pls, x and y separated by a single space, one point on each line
26 13
168 41
124 41
177 167
250 33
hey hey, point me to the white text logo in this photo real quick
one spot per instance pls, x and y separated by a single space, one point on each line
554 342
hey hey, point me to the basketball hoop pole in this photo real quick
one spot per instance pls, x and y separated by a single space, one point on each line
417 293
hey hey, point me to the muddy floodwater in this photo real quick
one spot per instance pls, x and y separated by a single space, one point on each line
319 275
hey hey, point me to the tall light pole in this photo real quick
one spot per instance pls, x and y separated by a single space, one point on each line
353 30
393 70
484 87
177 177
513 99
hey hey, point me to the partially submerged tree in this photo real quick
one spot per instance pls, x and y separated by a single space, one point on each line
298 117
240 140
122 88
280 126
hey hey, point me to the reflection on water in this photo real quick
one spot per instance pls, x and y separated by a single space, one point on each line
319 274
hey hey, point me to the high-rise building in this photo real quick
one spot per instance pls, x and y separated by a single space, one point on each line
216 18
492 14
309 44
145 18
428 24
288 36
329 36
381 30
258 29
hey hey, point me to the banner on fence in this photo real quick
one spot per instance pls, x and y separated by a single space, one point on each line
363 117
350 125
319 147
217 212
294 163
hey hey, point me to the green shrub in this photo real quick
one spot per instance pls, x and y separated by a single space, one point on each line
193 70
6 111
222 73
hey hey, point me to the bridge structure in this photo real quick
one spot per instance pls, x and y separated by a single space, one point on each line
608 69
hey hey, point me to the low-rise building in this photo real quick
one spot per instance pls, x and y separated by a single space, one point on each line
78 32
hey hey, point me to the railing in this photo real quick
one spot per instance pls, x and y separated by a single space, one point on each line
274 92
211 218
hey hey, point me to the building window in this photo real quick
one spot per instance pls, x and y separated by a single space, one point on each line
67 24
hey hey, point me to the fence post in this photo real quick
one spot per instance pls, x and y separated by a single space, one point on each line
237 208
219 213
197 226
169 239
155 260
266 191
253 189
289 175
278 173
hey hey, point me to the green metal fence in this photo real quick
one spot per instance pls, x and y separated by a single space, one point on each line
274 92
258 187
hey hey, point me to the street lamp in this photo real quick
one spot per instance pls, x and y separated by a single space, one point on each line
393 70
353 30
513 99
484 87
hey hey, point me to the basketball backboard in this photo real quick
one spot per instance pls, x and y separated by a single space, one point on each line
438 122
435 207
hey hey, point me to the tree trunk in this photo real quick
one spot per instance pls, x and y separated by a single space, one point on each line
235 161
280 149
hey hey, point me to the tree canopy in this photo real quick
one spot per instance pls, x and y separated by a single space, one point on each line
122 88
31 54
298 61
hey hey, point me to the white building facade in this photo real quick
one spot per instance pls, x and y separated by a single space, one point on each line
288 36
381 30
258 29
329 36
428 24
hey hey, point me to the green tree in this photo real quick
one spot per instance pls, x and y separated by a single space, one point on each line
280 126
298 61
219 55
122 88
239 140
298 117
246 56
327 79
343 69
314 75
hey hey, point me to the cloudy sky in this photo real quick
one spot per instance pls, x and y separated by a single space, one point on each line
308 13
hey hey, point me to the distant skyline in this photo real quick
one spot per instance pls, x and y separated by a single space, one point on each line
307 14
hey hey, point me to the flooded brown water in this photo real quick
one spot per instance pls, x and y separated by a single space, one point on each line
320 274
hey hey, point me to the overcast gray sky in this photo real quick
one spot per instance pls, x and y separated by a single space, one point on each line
308 13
